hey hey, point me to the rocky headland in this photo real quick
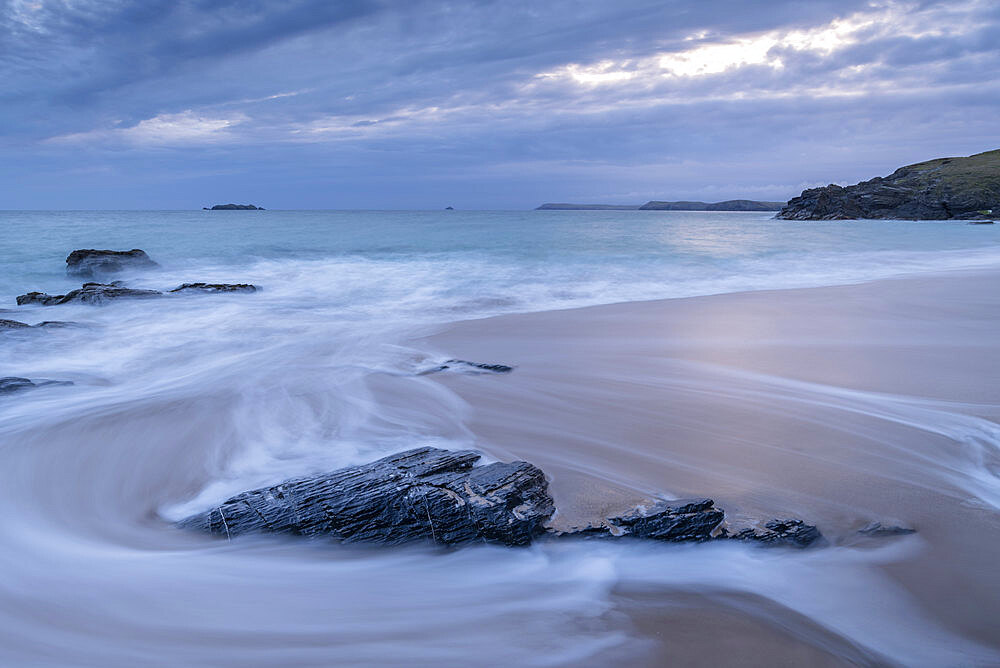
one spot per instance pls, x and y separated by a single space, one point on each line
940 189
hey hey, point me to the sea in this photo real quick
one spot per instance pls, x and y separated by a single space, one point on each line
178 403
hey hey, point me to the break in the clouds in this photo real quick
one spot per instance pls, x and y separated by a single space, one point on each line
366 103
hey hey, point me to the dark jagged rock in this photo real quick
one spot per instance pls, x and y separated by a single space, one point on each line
785 532
879 530
216 287
14 325
941 189
13 384
89 293
675 521
91 263
236 207
421 494
58 324
468 367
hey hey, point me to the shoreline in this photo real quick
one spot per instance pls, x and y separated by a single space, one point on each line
841 405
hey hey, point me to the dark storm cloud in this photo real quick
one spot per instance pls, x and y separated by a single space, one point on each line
377 103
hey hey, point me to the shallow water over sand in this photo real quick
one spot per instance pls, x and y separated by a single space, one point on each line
840 405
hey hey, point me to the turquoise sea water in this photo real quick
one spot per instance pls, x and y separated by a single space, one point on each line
485 262
180 402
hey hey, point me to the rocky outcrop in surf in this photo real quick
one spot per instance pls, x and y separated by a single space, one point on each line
215 287
88 293
941 189
441 496
234 207
422 494
103 293
92 263
12 384
464 366
17 326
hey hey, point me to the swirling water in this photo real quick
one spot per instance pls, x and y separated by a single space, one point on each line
180 402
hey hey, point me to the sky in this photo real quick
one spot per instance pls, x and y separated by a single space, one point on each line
422 104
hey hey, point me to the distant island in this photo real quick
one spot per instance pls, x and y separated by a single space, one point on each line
233 207
941 189
655 205
561 206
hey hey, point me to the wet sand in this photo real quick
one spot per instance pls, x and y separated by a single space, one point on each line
840 405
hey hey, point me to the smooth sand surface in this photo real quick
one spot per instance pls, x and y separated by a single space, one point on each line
839 405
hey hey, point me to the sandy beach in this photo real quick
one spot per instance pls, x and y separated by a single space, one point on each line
841 405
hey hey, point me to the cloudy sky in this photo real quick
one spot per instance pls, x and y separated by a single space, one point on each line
479 103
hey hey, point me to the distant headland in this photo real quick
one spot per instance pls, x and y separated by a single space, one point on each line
655 205
939 189
233 207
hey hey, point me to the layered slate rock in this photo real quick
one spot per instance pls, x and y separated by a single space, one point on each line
12 384
783 532
675 521
464 366
92 263
88 293
879 530
8 325
698 520
421 494
941 189
216 287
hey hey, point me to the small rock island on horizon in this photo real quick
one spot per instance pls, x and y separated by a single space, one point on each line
233 207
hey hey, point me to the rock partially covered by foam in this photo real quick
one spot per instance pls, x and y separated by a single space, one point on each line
421 494
88 293
92 263
697 520
12 384
215 287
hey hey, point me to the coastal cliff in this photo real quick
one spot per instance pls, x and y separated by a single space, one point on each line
940 189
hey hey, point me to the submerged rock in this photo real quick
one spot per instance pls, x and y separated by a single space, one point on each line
468 367
13 384
102 293
879 530
786 532
14 325
89 293
216 287
91 263
420 494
